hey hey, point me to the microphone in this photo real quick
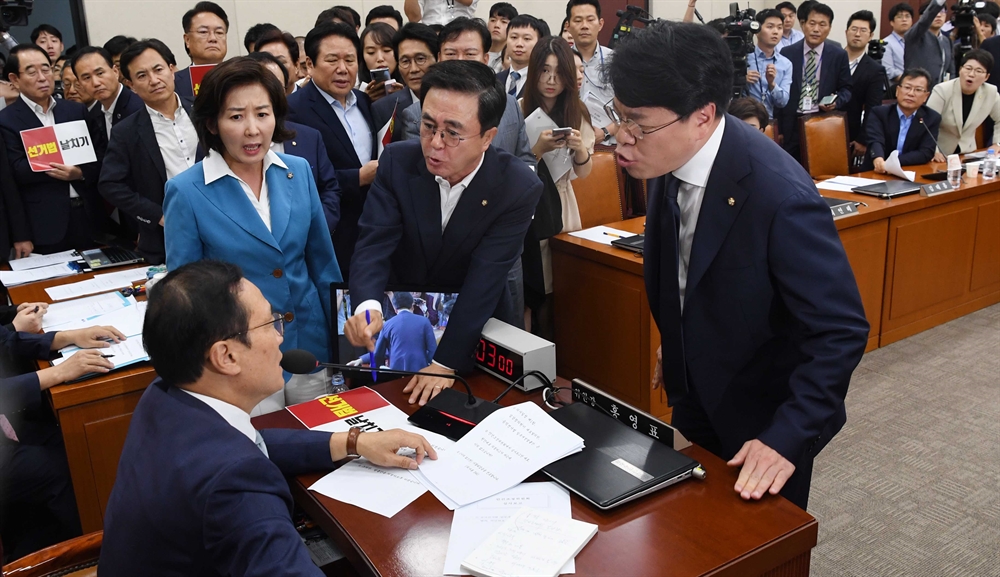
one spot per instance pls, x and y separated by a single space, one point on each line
449 413
936 147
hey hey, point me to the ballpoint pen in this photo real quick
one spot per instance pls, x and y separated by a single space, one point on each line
371 354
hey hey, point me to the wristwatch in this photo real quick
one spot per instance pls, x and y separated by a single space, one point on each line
607 134
352 442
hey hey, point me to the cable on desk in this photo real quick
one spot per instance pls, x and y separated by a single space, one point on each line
540 376
552 392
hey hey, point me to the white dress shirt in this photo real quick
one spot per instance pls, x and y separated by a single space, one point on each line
444 11
215 168
47 118
595 90
177 139
495 61
354 123
110 112
694 177
519 83
235 416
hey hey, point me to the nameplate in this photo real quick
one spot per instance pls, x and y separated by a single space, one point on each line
842 210
628 415
936 188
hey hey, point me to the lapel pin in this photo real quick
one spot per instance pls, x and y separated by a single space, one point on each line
484 203
295 143
732 201
290 175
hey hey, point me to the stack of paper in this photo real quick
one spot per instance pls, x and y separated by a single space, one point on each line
845 183
99 284
127 352
81 312
39 260
16 277
530 543
601 234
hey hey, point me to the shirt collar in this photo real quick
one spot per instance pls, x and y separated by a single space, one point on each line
215 166
464 183
899 112
761 56
157 114
115 101
697 170
818 49
898 36
235 416
352 98
37 108
522 71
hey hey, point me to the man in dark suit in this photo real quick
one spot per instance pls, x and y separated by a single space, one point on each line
760 318
992 45
523 32
149 147
92 65
14 231
343 116
450 210
867 78
199 491
58 203
205 29
819 69
895 126
415 46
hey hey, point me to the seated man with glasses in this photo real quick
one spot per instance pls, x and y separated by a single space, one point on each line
964 103
199 491
447 210
895 126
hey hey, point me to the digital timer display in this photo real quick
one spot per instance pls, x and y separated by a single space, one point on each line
499 360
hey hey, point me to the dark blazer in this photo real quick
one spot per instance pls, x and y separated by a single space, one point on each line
133 176
307 106
992 45
308 144
22 391
13 222
182 84
882 132
194 496
834 78
128 104
46 199
382 111
867 91
502 77
772 359
401 241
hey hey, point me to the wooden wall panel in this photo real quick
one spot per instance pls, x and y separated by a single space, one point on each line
986 258
866 246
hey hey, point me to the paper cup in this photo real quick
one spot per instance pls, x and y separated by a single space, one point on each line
972 169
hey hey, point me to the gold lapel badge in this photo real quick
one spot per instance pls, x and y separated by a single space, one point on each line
484 202
732 201
290 175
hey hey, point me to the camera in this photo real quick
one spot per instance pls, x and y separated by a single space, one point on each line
740 28
962 18
876 49
626 18
14 13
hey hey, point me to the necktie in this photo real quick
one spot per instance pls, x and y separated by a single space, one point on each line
260 444
8 431
514 77
808 80
671 328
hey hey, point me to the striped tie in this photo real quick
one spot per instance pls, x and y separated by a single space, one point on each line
514 77
808 80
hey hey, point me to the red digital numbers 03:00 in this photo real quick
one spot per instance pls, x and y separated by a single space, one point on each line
488 354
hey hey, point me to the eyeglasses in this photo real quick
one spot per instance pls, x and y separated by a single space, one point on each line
857 30
419 60
450 138
974 70
277 321
913 89
634 129
205 33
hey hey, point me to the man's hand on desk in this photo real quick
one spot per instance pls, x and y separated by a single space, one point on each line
88 338
82 363
938 157
380 448
23 248
426 388
28 319
764 470
360 332
879 165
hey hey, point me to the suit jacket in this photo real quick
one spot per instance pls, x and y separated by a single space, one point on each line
182 84
502 77
882 134
401 239
409 340
867 90
307 106
511 136
128 104
382 111
133 176
772 359
946 99
22 392
46 199
834 78
292 264
13 221
195 496
922 48
308 144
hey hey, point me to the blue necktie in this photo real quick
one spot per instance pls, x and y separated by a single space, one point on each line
514 76
670 325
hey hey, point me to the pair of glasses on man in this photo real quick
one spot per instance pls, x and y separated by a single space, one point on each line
277 321
637 131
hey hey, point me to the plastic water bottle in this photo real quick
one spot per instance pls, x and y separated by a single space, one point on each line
337 383
990 164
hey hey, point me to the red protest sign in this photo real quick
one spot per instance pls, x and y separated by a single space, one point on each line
198 72
42 147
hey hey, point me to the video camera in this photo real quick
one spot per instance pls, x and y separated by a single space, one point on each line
876 49
962 18
13 13
626 18
740 28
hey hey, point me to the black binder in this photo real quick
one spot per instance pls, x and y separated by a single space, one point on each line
618 464
630 243
888 189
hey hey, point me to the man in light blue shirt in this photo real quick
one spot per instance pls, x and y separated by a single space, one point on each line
769 74
901 19
789 35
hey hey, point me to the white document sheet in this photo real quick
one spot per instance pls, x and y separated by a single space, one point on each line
128 320
845 183
99 284
39 260
81 310
381 490
474 523
17 277
500 452
893 167
602 234
121 354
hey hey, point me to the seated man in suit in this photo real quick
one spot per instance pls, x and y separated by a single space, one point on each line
819 69
343 116
450 210
58 203
205 29
199 491
150 147
415 47
894 127
761 325
523 33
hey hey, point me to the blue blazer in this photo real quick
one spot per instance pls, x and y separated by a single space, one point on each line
307 106
382 111
882 134
194 496
293 265
773 324
401 239
46 200
834 78
409 340
308 144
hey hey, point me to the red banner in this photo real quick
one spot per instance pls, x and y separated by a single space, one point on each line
42 147
336 407
198 72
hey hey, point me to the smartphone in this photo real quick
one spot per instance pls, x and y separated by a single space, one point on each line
380 75
561 133
828 100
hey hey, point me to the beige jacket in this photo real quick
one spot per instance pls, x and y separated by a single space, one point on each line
946 99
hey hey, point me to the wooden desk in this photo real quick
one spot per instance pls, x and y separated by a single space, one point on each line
918 262
693 528
94 416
